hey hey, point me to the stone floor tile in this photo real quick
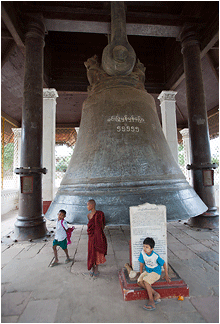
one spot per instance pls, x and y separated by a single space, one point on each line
198 247
175 305
110 250
174 231
179 224
123 254
10 253
30 251
176 246
110 258
215 248
200 235
72 249
9 319
120 247
208 243
47 250
83 239
209 256
203 271
208 307
186 239
79 267
170 255
171 239
4 247
4 287
196 286
108 269
184 254
186 317
14 303
40 311
121 263
215 290
81 248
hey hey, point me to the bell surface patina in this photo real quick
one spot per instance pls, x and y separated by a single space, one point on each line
121 157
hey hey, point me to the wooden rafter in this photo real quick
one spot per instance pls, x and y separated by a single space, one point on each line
11 24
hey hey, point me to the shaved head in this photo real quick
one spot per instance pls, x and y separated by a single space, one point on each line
92 201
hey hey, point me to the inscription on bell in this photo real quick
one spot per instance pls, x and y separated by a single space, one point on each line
127 129
126 119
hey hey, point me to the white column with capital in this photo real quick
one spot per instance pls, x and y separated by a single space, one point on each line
49 138
169 125
17 153
186 145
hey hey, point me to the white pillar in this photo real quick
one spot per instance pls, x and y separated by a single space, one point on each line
186 144
17 153
168 112
49 137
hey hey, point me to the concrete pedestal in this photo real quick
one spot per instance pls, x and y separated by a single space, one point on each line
131 290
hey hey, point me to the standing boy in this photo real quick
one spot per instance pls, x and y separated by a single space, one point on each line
152 263
60 237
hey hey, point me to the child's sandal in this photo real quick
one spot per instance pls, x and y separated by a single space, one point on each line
54 264
67 260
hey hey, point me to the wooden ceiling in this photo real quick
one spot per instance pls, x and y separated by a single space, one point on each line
76 30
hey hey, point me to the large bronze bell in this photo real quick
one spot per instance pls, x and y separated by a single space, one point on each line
121 157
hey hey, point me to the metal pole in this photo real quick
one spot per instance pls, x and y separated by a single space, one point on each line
30 223
202 168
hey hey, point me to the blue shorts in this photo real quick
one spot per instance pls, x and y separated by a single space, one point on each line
62 244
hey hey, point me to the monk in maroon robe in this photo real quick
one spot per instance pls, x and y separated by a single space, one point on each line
97 243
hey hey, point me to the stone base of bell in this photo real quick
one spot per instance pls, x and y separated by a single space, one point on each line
26 229
131 291
208 220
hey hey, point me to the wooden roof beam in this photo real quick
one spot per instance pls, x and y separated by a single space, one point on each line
96 27
72 12
11 120
213 111
10 48
9 18
204 51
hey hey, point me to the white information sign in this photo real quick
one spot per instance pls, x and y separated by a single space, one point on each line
148 221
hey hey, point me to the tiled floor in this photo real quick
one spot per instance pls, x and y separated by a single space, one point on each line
34 292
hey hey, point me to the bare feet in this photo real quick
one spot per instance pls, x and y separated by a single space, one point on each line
96 272
54 264
150 306
157 298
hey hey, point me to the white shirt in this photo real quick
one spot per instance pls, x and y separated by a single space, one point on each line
60 231
153 262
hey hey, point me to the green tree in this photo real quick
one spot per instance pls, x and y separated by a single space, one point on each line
63 163
181 158
8 156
